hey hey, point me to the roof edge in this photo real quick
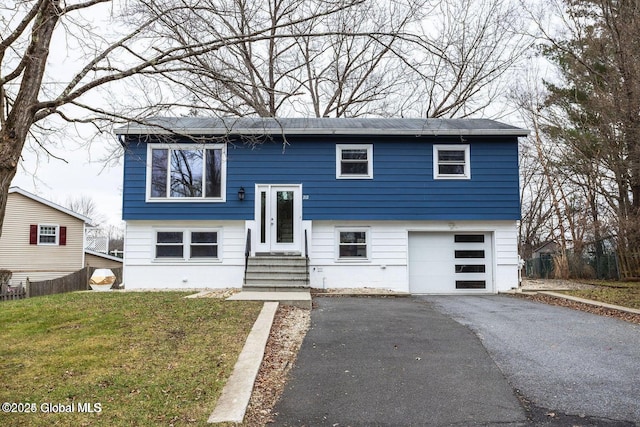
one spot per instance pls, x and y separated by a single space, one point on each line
151 130
257 126
49 203
103 255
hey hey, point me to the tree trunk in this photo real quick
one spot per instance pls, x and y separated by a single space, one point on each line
15 128
10 149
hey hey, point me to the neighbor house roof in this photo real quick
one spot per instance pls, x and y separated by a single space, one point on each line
319 126
103 255
46 202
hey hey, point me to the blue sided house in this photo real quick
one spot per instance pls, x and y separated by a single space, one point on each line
427 206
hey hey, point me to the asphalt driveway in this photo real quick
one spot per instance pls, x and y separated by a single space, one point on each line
457 360
369 361
567 361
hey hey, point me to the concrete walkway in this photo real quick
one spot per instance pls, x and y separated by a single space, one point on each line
300 299
233 401
374 362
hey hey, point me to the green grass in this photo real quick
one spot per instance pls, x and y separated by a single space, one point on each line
626 294
147 358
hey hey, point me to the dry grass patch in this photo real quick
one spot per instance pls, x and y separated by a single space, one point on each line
626 294
147 358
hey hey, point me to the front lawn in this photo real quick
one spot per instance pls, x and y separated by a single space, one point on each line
142 359
626 294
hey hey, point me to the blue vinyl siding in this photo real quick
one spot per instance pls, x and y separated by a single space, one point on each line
402 188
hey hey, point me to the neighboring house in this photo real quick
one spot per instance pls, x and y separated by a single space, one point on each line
101 260
546 250
415 205
40 239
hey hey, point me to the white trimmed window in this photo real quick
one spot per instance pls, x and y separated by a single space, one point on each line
354 161
48 234
187 245
186 172
451 162
352 244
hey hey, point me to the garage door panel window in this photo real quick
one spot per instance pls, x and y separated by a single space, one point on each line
473 268
353 244
468 238
471 284
476 254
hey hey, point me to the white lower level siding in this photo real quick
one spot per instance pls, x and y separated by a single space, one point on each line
142 271
386 266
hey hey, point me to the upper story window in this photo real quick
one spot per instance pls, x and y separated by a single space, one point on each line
186 172
451 162
354 161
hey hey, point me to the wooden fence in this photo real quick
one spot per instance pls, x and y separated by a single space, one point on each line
78 281
8 293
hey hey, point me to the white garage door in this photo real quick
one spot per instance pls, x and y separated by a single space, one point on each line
448 263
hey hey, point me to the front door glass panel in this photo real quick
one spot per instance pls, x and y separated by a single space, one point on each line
284 216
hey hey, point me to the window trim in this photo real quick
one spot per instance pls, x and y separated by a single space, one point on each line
186 245
180 146
454 147
57 235
366 230
368 147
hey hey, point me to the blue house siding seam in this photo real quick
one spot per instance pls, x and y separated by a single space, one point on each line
403 187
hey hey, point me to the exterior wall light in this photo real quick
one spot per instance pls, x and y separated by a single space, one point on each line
241 194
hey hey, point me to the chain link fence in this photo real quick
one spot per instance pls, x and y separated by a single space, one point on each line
588 266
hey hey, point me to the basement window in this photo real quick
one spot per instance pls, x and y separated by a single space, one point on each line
352 244
187 245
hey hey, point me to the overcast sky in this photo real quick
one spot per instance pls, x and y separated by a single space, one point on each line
57 181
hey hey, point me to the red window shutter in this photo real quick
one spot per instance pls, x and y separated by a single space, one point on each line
33 234
63 236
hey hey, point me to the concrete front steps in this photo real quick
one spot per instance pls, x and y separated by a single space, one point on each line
276 273
280 278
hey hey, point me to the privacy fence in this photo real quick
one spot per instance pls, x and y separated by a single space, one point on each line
78 281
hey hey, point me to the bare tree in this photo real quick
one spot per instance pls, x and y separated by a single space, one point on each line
30 98
593 109
315 67
86 205
461 55
422 58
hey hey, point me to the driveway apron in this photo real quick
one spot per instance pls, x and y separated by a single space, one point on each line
390 362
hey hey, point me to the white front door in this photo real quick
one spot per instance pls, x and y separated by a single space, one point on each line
279 218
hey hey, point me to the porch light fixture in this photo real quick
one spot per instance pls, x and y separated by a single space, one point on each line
241 194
